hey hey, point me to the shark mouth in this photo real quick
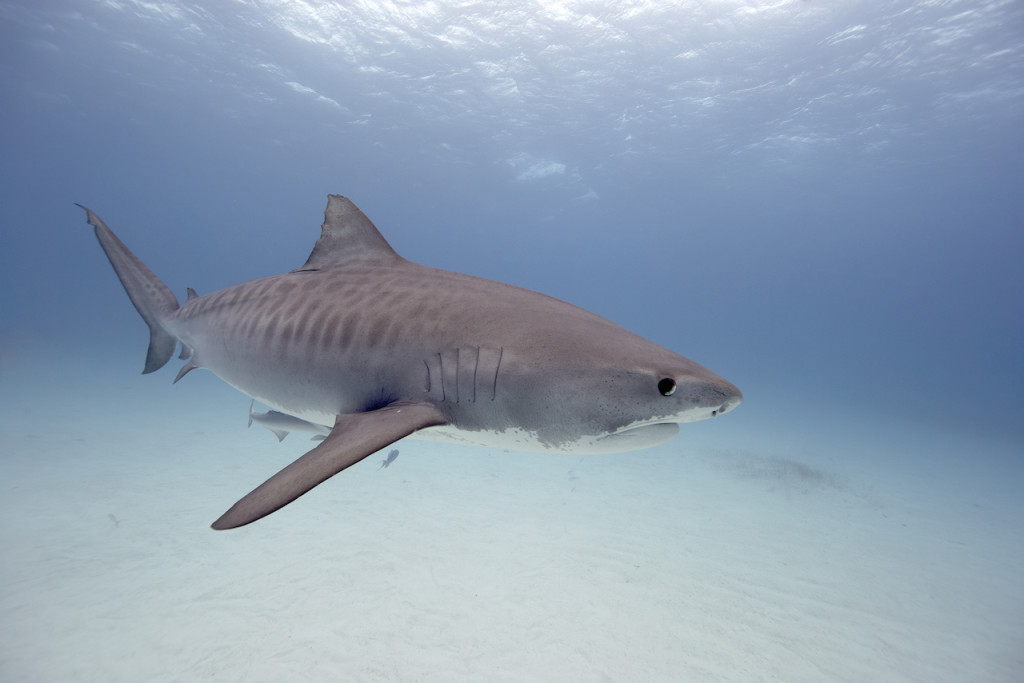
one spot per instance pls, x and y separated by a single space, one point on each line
636 437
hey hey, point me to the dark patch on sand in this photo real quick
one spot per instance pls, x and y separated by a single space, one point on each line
778 474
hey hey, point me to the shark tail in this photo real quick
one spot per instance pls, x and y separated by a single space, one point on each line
151 297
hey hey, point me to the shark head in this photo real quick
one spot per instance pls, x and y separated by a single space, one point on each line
659 398
595 387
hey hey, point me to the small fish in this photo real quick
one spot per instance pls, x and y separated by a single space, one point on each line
388 460
283 424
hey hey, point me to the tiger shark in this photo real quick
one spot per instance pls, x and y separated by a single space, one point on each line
379 348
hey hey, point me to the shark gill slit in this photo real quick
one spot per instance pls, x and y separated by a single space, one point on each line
476 367
440 374
450 375
469 361
453 371
497 366
435 385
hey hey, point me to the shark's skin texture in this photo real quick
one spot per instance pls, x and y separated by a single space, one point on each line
380 348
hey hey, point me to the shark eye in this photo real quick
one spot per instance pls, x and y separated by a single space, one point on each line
667 386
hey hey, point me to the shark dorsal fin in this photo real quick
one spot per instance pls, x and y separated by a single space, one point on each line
347 235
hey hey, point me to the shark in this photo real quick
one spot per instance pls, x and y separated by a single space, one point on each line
377 348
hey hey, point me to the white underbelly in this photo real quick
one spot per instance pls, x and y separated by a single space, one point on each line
517 439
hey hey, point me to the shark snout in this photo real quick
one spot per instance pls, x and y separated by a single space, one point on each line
734 398
711 397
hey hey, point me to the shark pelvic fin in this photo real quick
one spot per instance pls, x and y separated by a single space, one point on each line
353 438
188 367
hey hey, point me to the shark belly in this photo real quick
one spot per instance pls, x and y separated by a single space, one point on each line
515 439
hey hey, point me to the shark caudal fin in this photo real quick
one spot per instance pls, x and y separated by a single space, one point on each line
152 299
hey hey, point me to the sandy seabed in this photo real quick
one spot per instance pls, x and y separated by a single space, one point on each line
747 549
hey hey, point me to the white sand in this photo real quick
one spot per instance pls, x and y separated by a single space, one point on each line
748 549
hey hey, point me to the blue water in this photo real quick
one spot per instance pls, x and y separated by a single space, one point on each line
821 204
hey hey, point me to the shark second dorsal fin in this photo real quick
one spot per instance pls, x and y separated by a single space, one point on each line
347 235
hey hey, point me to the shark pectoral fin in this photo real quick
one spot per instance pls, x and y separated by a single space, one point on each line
353 438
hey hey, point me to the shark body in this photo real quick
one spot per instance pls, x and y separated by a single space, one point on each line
379 348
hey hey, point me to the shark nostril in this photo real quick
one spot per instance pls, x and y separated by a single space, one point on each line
727 405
